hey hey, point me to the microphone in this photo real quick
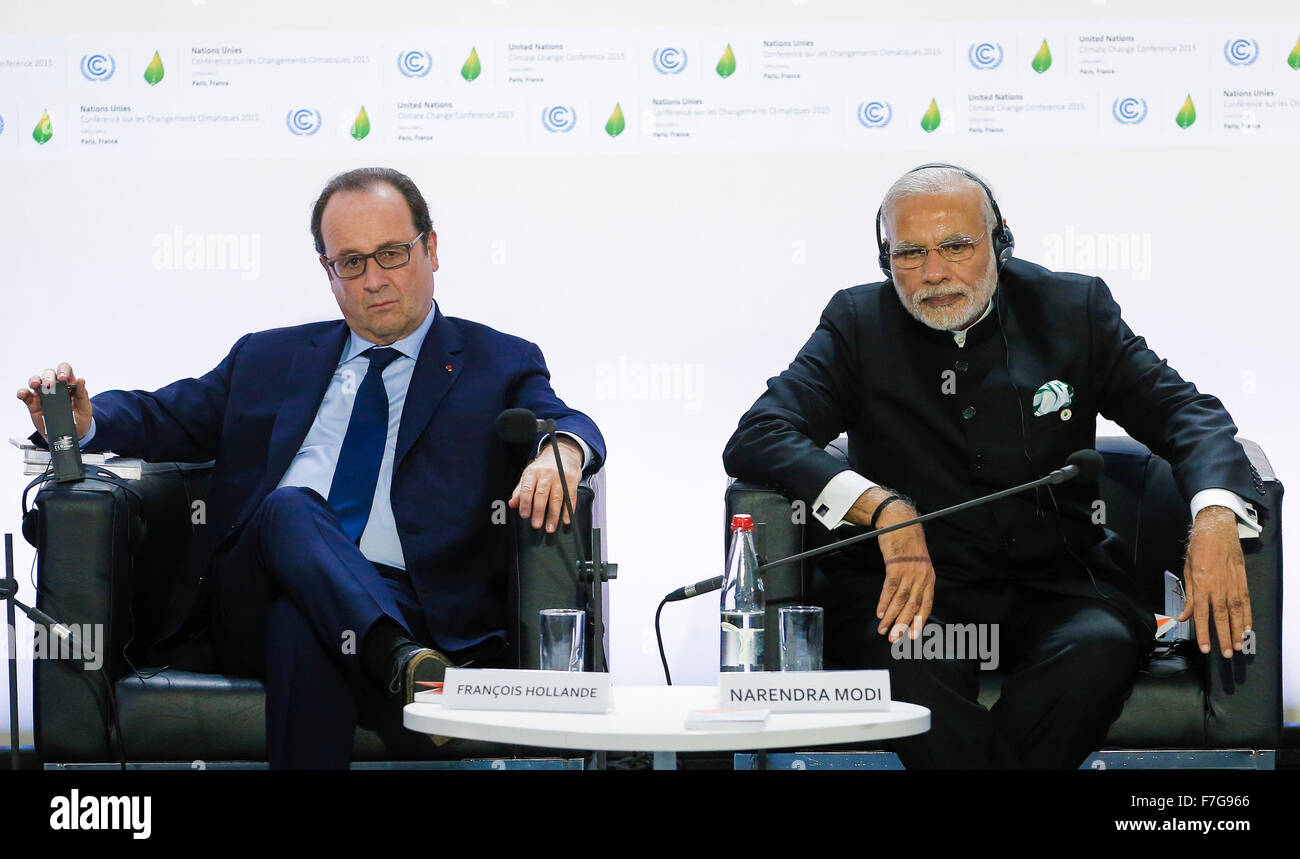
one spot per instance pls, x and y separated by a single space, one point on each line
695 590
1084 464
520 426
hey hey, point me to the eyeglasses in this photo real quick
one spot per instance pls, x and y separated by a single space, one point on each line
953 250
352 266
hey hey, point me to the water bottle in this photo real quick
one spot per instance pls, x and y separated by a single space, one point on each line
742 601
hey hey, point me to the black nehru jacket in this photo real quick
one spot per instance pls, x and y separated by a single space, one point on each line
943 424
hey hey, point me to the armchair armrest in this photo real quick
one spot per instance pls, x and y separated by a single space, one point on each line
83 545
545 573
1241 716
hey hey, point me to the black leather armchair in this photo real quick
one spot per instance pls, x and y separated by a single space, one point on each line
1182 699
106 557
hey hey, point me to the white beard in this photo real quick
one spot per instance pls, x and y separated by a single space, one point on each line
957 315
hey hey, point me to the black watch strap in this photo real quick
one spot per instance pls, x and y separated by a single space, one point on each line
875 517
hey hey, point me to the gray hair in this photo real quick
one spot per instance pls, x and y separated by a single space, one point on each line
934 180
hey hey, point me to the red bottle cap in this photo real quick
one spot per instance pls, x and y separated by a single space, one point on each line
742 522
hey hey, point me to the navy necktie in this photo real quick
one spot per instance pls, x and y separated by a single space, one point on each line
352 491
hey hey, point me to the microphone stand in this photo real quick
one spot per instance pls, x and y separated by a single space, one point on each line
1058 476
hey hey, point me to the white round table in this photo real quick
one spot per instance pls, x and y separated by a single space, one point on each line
653 719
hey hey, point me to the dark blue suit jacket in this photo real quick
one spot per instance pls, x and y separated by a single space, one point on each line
251 413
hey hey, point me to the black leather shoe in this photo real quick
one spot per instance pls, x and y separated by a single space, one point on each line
417 665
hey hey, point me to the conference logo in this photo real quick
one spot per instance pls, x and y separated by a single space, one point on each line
1293 59
726 63
559 118
472 68
930 119
1042 60
985 56
1186 114
303 121
1129 111
98 67
1241 52
414 64
44 129
153 73
616 123
669 61
875 114
360 125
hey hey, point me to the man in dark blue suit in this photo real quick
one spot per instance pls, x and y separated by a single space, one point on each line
355 542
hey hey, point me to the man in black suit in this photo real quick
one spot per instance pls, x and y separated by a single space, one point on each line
965 373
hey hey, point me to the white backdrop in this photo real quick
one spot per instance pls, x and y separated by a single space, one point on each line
667 269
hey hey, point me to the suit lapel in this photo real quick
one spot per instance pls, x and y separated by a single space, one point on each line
308 378
436 369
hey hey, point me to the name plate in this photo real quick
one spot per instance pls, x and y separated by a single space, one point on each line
804 691
511 689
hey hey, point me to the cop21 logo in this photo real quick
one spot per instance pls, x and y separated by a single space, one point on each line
1129 111
303 121
559 118
669 61
875 114
414 64
1241 52
985 56
98 67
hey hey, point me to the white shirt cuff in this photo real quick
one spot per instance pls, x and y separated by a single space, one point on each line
1247 519
90 433
586 451
839 496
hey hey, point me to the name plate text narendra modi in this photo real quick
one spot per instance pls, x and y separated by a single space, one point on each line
805 691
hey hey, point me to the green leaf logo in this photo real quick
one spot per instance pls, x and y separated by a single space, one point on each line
44 129
154 71
615 125
1294 59
472 68
1043 59
930 121
1187 115
361 125
727 63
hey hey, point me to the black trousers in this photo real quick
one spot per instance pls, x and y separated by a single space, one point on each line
1069 662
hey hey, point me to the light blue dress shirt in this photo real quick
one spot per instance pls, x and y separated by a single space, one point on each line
313 465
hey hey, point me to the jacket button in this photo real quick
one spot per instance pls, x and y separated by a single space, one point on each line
962 366
979 460
968 412
1009 542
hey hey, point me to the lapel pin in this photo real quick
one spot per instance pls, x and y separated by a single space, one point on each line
448 368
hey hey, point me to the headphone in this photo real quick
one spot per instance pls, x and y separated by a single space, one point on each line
31 515
1004 244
